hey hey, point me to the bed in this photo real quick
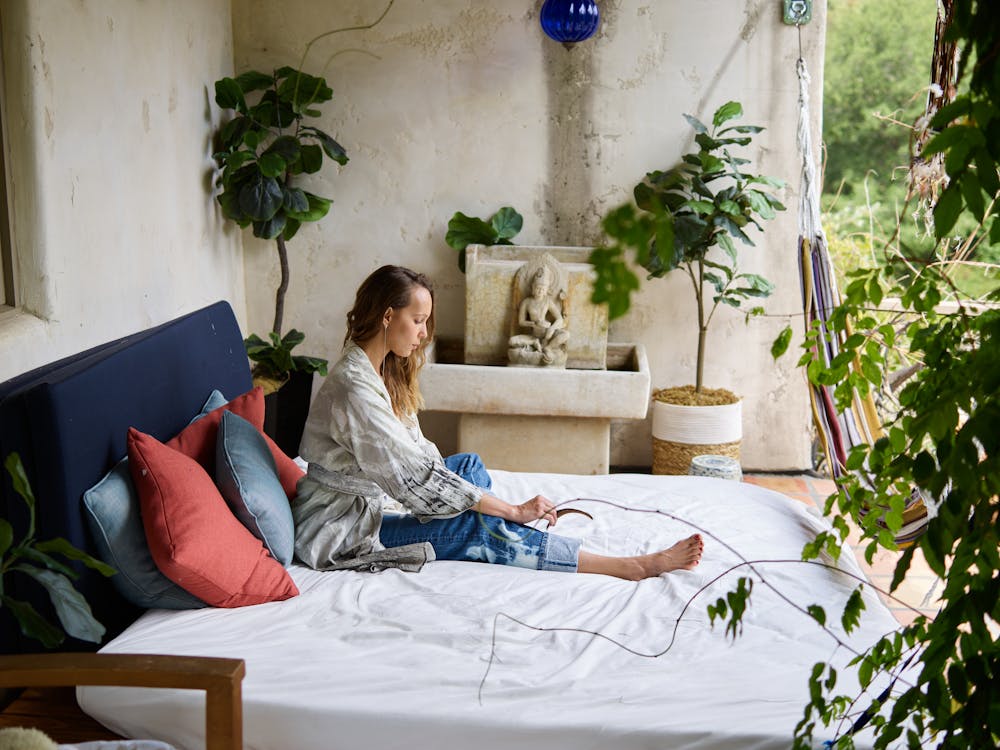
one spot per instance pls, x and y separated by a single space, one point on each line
472 655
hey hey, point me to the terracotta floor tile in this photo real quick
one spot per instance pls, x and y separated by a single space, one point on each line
824 487
779 482
915 590
906 616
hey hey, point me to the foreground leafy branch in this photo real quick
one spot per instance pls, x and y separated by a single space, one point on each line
37 559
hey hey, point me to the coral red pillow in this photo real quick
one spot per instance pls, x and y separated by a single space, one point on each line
193 537
197 440
289 472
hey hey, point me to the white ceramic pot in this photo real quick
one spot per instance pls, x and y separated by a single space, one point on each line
698 425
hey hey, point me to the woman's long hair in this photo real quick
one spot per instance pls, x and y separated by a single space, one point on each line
392 286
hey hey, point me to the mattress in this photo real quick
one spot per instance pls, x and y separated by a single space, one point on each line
470 655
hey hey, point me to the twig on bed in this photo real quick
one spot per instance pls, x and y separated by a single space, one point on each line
744 563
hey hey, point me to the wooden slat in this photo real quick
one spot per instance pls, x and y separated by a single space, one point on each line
221 679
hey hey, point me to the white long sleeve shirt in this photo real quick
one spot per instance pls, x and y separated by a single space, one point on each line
360 453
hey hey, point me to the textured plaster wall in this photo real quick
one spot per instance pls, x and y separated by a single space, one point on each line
462 105
108 107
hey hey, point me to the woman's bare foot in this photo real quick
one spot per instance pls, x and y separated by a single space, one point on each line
684 555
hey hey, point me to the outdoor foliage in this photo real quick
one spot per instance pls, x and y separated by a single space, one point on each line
937 680
878 56
877 63
38 560
680 215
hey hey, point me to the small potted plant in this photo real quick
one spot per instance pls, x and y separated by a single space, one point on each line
264 149
464 230
678 217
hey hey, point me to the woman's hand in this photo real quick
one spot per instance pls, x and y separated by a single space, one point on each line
538 507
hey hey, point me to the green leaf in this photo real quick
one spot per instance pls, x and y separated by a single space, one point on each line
330 147
294 199
818 613
696 124
973 194
72 609
291 227
468 230
269 229
301 89
702 207
19 480
311 364
318 208
292 339
310 158
229 95
252 139
947 210
66 549
232 133
33 624
780 344
46 561
759 203
271 165
853 609
260 198
965 135
614 281
254 80
728 111
506 223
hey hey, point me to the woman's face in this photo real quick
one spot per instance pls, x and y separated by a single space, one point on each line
408 325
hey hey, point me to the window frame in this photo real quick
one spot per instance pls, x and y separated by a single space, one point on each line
8 297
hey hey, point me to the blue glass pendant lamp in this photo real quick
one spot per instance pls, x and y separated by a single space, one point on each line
570 21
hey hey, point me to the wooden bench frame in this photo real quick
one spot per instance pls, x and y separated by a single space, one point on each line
221 679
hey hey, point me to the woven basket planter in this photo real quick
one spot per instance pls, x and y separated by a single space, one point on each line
682 432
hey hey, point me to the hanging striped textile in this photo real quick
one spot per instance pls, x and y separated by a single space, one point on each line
839 431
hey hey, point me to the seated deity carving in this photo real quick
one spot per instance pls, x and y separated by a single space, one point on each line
540 314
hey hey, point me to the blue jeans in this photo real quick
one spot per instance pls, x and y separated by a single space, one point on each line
477 537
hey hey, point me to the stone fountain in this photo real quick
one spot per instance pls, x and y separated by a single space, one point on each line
535 382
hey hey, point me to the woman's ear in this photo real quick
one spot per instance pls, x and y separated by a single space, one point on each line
387 318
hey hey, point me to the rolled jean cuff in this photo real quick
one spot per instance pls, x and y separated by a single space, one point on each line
559 553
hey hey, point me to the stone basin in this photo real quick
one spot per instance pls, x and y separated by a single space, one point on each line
538 418
619 392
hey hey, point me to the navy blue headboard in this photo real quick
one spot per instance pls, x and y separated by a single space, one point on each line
68 421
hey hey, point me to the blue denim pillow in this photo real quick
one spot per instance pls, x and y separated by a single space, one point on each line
247 479
112 512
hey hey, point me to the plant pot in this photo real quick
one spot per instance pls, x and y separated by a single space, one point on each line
682 432
286 409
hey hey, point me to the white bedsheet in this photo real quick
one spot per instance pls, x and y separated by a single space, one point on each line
396 660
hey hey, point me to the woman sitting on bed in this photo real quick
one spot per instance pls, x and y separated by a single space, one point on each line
364 447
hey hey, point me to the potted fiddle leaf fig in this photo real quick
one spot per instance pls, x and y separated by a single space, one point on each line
264 150
38 560
678 218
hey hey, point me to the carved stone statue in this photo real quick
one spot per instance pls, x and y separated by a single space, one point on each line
542 287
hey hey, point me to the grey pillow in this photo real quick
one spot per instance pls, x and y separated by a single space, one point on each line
248 481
